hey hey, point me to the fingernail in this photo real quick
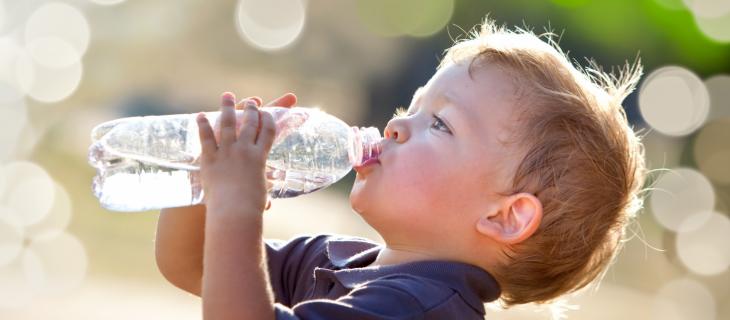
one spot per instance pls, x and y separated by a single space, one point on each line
250 103
228 99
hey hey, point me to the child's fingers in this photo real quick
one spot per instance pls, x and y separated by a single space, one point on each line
242 104
267 132
207 138
227 119
287 100
250 124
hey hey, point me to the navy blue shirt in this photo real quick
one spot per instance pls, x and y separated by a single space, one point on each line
327 277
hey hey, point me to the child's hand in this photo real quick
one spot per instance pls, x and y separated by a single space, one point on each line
287 100
232 169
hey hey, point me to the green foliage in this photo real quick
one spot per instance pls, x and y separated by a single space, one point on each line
661 31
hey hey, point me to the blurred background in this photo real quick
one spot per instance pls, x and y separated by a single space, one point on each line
67 65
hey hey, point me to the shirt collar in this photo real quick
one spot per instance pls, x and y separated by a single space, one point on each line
352 256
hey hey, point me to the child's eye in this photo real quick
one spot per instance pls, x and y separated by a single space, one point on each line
440 123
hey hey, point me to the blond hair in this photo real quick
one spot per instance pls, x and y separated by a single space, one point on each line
582 161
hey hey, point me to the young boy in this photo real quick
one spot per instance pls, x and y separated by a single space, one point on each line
512 175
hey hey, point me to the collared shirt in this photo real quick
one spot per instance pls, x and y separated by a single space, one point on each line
328 277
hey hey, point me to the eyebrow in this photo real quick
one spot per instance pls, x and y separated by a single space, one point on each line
460 112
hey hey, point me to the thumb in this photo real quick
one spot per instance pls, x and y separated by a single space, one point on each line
287 100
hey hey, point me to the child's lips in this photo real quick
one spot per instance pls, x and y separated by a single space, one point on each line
367 166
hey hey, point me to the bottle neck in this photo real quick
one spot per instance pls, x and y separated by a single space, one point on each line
367 144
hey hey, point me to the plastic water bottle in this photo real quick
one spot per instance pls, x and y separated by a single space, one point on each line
152 162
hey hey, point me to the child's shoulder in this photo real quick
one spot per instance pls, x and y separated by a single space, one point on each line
326 250
324 242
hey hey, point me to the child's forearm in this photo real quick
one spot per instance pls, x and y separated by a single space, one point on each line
235 277
179 246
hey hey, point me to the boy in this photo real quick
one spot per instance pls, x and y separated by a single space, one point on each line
512 175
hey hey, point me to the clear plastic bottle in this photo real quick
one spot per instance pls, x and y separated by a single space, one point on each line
151 162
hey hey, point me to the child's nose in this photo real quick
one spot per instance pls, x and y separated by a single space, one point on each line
395 130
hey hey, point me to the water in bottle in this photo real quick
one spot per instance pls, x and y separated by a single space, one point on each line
152 162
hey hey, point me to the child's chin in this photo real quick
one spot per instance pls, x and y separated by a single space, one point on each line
359 196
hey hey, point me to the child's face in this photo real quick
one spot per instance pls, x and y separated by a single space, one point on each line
436 176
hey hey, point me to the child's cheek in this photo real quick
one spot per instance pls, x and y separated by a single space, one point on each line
413 180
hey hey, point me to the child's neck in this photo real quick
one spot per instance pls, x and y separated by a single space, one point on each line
399 254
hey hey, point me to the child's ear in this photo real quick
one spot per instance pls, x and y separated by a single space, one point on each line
515 220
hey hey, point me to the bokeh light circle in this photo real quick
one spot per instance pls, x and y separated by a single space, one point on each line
712 151
107 2
706 250
684 299
17 290
46 84
3 15
56 221
432 17
13 118
662 151
57 19
406 17
52 52
680 193
716 29
10 93
25 72
674 101
719 88
33 267
708 8
270 24
11 236
32 194
62 263
10 84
